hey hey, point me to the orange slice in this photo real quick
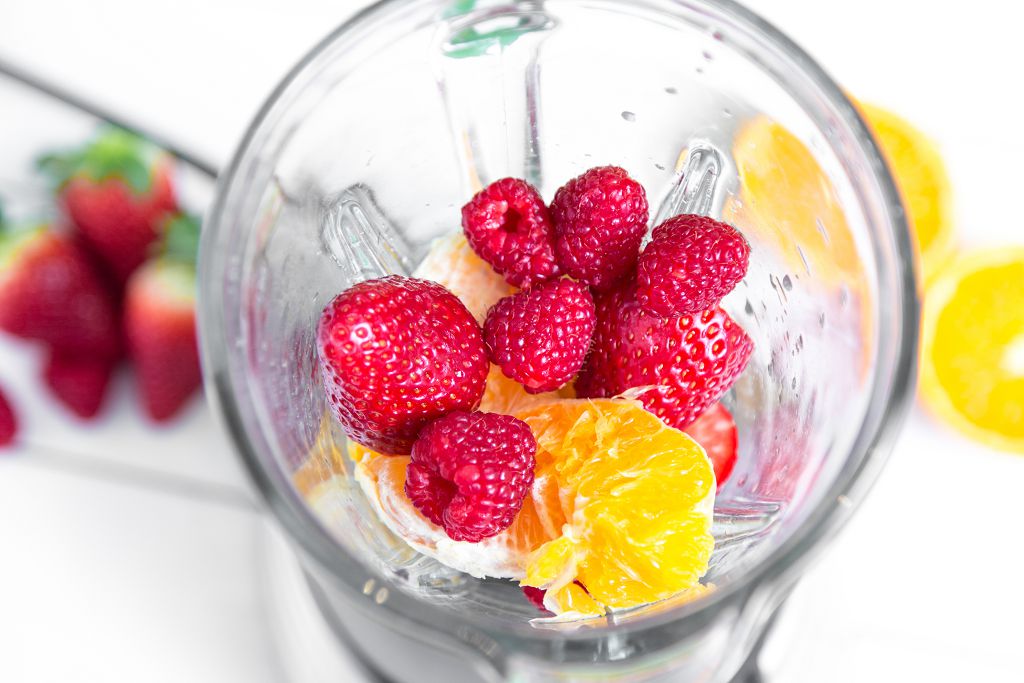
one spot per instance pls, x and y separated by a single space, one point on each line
323 461
453 263
504 395
787 201
636 496
382 479
921 177
972 355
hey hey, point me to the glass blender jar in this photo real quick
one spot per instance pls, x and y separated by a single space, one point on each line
365 153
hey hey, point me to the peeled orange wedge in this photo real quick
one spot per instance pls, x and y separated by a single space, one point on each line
972 353
504 395
382 479
923 183
620 502
636 497
786 199
452 263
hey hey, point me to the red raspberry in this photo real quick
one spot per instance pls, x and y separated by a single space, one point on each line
685 363
396 353
600 219
508 225
536 597
540 336
715 431
8 422
689 265
470 472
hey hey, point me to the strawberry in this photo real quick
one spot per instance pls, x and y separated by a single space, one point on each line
715 431
160 322
79 382
397 353
8 421
676 366
117 192
51 292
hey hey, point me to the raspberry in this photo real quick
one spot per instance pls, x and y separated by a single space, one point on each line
508 225
536 597
689 265
540 336
8 422
683 364
600 219
470 472
396 353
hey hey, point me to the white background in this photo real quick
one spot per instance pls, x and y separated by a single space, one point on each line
130 555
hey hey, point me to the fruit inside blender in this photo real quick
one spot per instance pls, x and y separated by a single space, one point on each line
547 403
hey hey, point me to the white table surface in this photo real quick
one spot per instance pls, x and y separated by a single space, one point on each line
130 554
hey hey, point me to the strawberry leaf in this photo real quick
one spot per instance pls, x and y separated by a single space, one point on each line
115 153
59 167
181 239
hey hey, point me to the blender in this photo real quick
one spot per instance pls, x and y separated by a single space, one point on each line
364 154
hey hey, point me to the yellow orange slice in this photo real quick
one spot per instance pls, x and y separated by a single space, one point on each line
972 355
453 263
636 497
787 201
923 183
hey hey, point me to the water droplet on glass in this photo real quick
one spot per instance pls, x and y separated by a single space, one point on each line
844 296
821 320
699 70
707 55
659 167
822 230
629 116
727 113
787 283
749 308
671 91
717 35
803 257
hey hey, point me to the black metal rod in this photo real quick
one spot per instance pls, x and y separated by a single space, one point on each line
71 99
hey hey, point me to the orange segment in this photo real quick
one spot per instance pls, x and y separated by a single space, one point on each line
382 478
323 462
972 356
637 497
453 263
573 601
504 395
923 182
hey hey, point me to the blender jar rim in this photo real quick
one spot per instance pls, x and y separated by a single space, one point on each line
822 520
